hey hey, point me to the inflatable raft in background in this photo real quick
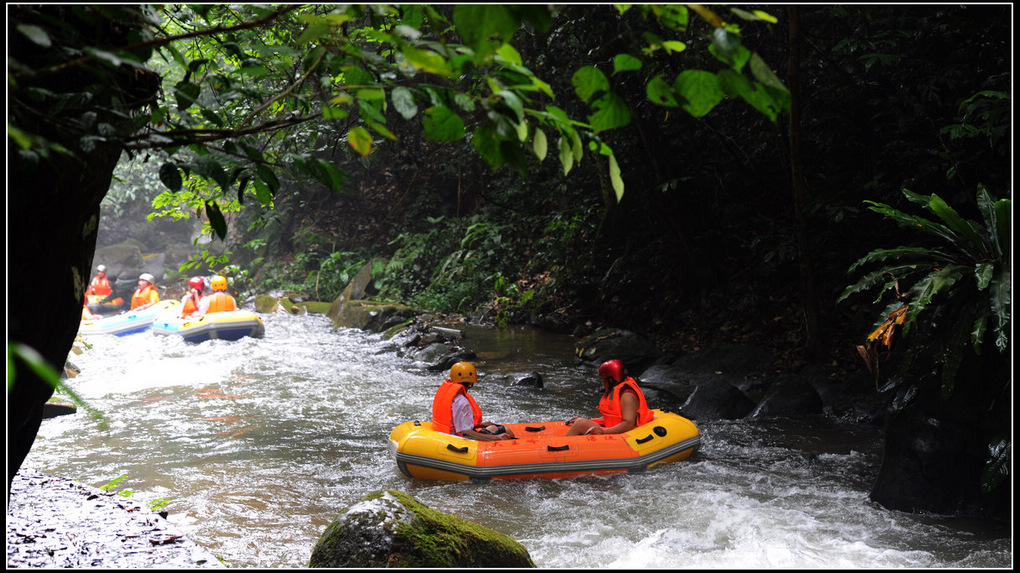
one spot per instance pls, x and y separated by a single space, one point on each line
131 322
228 325
105 304
541 450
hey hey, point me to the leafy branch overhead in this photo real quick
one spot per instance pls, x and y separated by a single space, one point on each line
250 92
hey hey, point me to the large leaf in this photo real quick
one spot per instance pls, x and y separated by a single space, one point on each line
170 175
441 124
360 140
485 27
660 92
486 142
589 82
610 112
403 102
700 89
216 219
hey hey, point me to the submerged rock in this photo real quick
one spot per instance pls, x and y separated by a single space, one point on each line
392 529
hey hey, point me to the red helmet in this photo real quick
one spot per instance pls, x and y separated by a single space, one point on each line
613 370
196 283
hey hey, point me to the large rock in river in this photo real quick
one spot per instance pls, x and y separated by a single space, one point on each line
392 529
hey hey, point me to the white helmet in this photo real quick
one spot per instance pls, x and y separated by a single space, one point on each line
147 278
101 269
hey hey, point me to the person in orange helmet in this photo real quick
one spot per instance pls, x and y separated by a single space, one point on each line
218 301
623 406
454 411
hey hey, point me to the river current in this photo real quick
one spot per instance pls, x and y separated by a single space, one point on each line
255 446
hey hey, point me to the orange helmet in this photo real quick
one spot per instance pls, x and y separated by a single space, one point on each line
462 372
219 283
612 371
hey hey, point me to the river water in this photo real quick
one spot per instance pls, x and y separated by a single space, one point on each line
257 445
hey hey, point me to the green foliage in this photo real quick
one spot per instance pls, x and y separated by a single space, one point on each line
30 357
248 90
966 271
450 266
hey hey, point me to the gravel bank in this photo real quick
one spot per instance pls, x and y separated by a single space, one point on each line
54 522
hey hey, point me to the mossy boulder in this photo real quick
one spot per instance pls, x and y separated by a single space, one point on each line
392 529
372 316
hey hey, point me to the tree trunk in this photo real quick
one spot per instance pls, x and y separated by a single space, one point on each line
812 323
54 189
53 219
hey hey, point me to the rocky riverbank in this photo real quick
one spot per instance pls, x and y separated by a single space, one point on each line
57 523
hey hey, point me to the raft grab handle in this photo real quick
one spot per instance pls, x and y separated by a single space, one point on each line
454 448
533 429
557 448
657 430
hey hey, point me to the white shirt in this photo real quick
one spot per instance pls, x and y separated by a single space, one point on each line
463 416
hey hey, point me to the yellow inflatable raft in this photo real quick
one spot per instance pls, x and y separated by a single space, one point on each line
541 450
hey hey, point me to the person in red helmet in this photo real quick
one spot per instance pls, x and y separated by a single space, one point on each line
623 406
191 300
454 411
219 300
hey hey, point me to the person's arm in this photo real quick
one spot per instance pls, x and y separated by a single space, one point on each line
628 407
485 437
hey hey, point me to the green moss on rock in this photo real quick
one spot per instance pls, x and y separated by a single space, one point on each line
392 529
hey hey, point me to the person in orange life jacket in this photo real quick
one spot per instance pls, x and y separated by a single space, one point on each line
191 300
218 301
454 411
146 294
100 285
623 405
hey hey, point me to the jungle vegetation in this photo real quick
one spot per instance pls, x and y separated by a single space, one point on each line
691 173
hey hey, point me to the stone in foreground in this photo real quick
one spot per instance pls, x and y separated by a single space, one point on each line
392 529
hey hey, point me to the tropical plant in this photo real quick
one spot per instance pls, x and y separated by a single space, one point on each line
968 273
959 289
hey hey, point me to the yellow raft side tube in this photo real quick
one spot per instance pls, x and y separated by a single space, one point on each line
541 450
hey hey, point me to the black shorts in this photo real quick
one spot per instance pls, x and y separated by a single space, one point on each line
499 430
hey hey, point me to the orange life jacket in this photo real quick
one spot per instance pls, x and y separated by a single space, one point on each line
144 295
442 406
190 305
612 413
220 301
99 286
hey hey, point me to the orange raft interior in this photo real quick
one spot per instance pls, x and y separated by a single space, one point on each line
541 450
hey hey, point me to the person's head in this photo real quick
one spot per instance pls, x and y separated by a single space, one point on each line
151 280
464 373
101 270
218 283
612 373
196 283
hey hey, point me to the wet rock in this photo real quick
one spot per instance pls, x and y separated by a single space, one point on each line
717 401
54 522
789 395
392 529
530 380
636 352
